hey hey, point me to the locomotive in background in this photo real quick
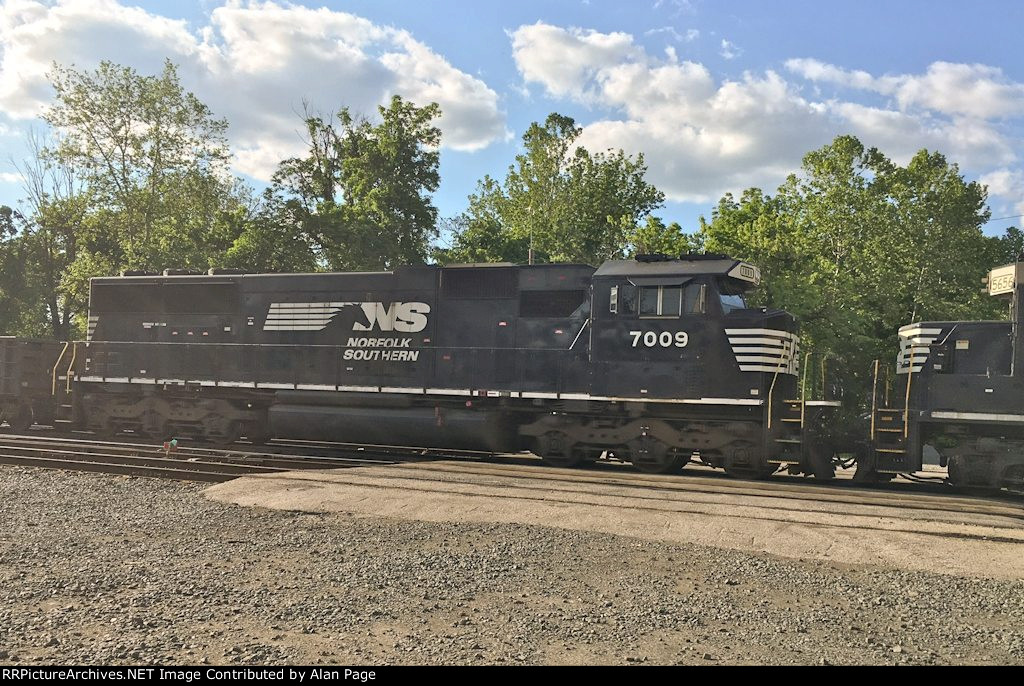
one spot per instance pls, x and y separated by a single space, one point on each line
652 360
959 390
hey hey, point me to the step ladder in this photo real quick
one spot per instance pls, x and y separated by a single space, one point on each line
889 440
792 420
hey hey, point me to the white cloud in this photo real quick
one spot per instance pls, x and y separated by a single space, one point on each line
703 136
969 90
730 50
567 61
254 63
974 142
690 36
700 137
10 177
1008 184
680 6
819 71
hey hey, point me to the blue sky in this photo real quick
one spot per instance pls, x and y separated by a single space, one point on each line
719 96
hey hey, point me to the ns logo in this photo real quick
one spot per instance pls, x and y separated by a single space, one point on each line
397 316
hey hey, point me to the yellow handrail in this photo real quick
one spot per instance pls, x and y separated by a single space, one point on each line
824 369
874 400
771 389
74 355
53 387
906 400
803 388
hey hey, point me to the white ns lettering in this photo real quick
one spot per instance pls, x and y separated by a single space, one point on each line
407 317
665 339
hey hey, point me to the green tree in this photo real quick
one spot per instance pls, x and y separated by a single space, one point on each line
13 294
47 240
1009 247
558 199
133 175
857 246
361 196
655 237
153 162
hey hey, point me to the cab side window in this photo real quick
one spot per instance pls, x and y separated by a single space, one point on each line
694 296
650 302
623 300
671 301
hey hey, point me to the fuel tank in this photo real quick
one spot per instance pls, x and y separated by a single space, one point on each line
423 427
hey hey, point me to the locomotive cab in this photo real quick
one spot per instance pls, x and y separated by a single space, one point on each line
679 331
680 328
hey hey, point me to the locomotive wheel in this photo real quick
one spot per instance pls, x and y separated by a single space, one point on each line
651 456
866 472
555 450
107 428
21 420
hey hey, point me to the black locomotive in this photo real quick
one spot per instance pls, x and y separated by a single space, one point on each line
959 390
652 360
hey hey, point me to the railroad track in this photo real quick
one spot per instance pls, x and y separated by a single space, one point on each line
705 486
76 451
186 463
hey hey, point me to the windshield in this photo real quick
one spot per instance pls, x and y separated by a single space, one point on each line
731 296
732 302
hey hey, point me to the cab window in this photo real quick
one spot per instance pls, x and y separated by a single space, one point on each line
622 300
731 297
671 301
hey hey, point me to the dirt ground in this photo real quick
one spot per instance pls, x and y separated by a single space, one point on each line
940 533
441 563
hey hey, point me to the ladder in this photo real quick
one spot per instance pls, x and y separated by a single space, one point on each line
791 416
890 435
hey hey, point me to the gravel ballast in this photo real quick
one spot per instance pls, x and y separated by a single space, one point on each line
116 570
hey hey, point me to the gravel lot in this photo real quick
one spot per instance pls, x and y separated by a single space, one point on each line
116 570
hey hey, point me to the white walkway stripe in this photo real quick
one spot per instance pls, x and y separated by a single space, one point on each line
438 391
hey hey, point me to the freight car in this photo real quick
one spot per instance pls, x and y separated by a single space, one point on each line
959 390
651 360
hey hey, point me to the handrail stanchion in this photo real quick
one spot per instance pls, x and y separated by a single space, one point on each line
874 399
53 387
71 365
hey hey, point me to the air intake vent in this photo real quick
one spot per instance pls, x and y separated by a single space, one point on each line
698 256
479 282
